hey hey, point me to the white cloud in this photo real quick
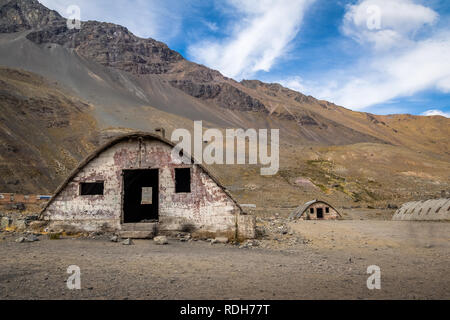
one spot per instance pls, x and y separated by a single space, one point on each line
435 112
260 37
382 76
386 23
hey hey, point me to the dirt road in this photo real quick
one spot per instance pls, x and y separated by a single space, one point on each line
414 259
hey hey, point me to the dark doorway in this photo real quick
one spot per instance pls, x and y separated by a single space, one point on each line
319 213
141 195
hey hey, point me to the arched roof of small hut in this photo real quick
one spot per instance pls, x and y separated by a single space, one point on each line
427 206
124 137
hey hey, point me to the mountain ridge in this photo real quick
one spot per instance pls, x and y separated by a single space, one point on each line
130 83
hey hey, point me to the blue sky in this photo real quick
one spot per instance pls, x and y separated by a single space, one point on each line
379 56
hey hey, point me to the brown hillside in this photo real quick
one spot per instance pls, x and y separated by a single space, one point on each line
87 85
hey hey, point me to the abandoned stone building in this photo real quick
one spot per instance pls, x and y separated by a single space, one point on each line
131 185
315 210
434 209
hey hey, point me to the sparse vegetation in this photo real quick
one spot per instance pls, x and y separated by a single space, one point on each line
54 236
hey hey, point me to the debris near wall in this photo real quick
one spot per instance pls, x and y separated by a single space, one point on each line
18 222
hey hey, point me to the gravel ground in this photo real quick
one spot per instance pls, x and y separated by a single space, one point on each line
309 260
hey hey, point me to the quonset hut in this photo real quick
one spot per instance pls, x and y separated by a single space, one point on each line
315 210
132 186
434 209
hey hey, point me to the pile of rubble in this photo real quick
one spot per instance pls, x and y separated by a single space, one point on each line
18 222
273 232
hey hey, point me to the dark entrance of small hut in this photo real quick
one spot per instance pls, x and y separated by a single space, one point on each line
141 195
319 213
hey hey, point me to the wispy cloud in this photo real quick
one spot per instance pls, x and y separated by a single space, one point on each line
435 112
211 26
258 38
378 77
386 23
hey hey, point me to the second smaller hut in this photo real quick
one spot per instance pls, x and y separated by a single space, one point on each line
315 210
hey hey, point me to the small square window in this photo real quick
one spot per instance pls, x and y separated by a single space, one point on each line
183 180
311 210
91 188
327 210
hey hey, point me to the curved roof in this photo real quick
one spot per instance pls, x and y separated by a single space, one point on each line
422 209
120 138
298 212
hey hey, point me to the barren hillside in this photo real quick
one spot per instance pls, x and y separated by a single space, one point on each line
65 91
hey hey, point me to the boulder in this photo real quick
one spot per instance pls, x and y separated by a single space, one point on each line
31 238
5 222
221 240
20 224
127 242
20 240
37 225
161 240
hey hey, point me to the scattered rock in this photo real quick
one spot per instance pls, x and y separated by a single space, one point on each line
161 240
221 240
127 242
20 224
283 230
5 222
32 218
31 238
114 238
37 225
20 240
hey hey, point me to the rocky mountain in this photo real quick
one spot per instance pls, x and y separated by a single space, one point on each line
23 15
123 82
